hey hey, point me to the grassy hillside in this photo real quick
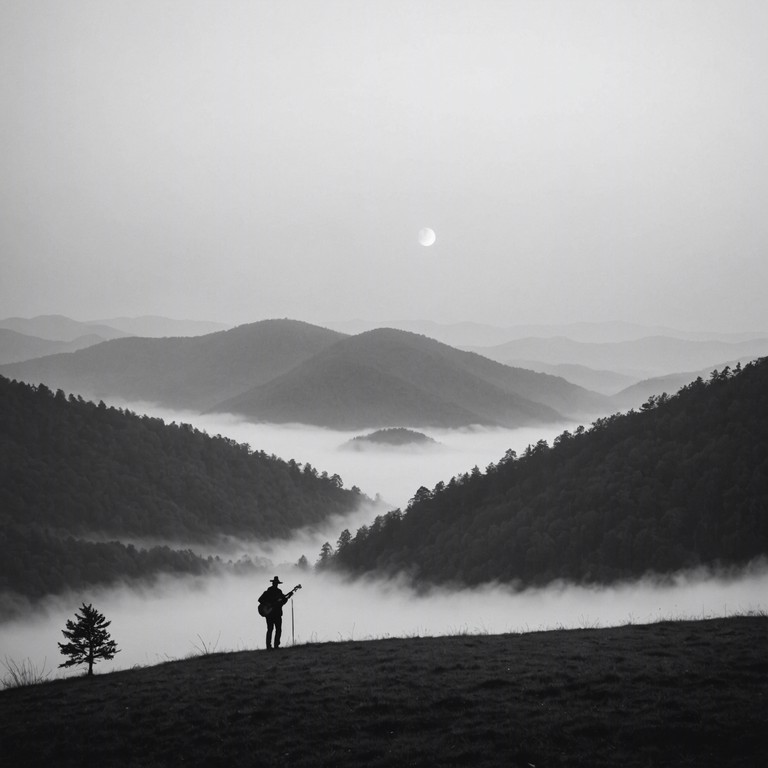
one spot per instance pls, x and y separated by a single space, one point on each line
394 378
180 372
688 693
682 483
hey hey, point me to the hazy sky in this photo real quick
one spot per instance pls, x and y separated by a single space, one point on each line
228 160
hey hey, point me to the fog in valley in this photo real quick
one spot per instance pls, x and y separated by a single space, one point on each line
176 618
393 473
182 618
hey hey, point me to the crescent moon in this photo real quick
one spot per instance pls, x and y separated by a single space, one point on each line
427 236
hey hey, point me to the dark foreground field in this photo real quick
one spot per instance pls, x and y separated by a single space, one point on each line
687 693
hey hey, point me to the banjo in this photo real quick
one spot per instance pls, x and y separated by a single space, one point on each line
265 609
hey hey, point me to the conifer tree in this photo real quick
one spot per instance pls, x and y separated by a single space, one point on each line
325 555
89 640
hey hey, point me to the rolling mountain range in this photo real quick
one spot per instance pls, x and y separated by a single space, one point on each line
283 371
16 347
255 370
604 382
470 334
288 371
24 338
387 377
60 328
180 372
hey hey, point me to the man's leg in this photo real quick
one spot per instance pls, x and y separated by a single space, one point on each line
270 627
278 630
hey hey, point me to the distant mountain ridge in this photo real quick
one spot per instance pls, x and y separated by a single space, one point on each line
155 326
288 371
605 382
23 338
387 377
60 328
642 358
472 334
17 347
185 372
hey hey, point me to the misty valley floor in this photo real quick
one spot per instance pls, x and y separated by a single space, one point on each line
673 694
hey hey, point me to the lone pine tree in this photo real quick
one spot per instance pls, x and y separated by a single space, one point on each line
89 640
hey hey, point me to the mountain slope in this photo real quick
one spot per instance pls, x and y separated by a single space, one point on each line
184 372
345 395
394 378
680 484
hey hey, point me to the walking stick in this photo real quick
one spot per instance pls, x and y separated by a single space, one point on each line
293 637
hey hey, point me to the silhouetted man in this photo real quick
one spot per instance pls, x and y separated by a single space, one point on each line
271 605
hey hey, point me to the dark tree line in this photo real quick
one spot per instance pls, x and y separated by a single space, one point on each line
78 467
682 482
36 563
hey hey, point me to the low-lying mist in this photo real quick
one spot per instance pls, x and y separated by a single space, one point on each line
391 474
394 474
179 618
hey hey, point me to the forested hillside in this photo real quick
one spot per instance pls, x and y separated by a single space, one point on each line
36 563
682 482
84 468
71 468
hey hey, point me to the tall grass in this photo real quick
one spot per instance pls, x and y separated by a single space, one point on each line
206 648
18 675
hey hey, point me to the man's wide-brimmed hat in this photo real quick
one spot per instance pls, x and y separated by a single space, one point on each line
276 581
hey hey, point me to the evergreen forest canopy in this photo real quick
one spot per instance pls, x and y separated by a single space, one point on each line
681 483
71 470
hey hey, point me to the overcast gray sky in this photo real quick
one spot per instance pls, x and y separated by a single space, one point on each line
237 160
